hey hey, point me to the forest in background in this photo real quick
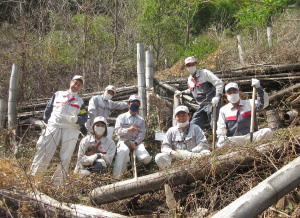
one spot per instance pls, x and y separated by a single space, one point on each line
53 40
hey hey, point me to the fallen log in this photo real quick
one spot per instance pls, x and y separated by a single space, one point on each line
44 206
177 176
265 194
283 92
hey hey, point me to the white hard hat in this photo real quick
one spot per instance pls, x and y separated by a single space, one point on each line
78 77
191 59
231 85
99 119
181 108
112 88
134 98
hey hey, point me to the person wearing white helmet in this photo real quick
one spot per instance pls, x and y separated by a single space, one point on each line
101 105
205 87
96 151
63 115
235 117
186 140
130 127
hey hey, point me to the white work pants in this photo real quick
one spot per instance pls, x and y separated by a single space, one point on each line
122 157
259 136
46 147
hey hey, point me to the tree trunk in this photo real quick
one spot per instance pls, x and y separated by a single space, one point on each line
48 207
177 176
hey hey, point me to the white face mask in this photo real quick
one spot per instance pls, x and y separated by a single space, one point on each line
107 96
192 69
183 124
233 98
99 130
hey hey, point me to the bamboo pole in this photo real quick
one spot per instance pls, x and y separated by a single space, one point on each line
175 105
3 112
141 79
265 194
269 34
240 48
13 94
149 76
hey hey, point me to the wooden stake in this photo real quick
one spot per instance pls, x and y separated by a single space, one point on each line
252 114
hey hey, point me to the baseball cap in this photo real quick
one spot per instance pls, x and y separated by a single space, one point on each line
191 59
181 108
231 85
99 119
78 77
112 88
134 98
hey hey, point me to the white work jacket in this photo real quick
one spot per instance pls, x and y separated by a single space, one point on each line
100 107
105 146
235 121
176 139
124 122
204 85
62 106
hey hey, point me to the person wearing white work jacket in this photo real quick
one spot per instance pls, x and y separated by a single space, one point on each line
131 131
101 105
63 115
206 88
235 117
103 149
185 140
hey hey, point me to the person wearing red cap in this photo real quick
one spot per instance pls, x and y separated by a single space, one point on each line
96 151
131 131
186 140
205 87
235 117
63 115
101 105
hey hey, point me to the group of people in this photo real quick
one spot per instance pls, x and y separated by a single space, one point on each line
66 111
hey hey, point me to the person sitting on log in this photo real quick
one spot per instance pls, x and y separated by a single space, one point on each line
130 126
101 105
206 88
96 151
235 117
186 140
63 115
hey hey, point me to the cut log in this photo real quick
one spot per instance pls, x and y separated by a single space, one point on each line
48 207
283 92
177 176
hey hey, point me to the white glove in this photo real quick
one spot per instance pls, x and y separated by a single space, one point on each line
215 101
177 92
255 82
73 119
221 141
182 154
106 159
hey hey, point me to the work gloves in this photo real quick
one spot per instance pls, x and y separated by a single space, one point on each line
255 83
215 101
73 119
177 92
184 154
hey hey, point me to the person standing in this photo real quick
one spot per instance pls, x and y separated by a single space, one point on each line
186 140
63 115
96 151
131 131
101 105
206 88
235 117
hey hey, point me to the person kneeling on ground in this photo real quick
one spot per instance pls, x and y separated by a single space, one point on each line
235 117
186 140
96 151
130 127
